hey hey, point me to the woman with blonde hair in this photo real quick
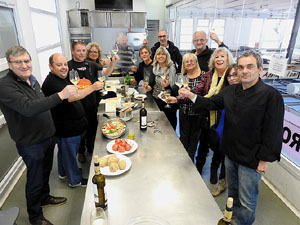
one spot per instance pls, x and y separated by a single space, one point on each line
163 77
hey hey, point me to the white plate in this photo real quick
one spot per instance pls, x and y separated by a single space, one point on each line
105 170
140 96
129 141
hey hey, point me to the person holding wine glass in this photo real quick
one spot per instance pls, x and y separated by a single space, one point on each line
125 53
163 77
189 121
88 70
69 118
94 53
145 67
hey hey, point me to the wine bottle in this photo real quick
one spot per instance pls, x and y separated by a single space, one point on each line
227 213
143 117
99 186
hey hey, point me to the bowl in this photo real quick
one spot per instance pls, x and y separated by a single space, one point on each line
113 128
147 220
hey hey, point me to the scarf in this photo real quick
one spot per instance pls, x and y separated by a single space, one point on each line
214 89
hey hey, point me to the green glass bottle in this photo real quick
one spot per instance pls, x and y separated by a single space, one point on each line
99 186
227 213
127 79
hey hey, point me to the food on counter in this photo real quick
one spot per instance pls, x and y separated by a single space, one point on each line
103 161
113 127
83 83
121 145
113 163
122 164
113 167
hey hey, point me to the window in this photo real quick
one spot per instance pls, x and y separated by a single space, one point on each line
186 34
255 33
202 25
46 31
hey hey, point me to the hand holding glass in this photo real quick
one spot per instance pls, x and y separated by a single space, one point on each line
74 78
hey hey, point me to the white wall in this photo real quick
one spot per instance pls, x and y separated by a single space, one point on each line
156 10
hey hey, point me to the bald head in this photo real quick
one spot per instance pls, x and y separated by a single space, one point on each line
58 65
163 38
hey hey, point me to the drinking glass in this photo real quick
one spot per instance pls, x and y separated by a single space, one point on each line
146 33
179 80
108 54
74 78
98 217
115 49
185 81
167 93
133 59
101 77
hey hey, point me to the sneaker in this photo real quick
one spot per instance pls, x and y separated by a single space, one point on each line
81 158
62 177
220 188
54 201
82 183
42 221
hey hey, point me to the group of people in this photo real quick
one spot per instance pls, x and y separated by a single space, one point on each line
225 106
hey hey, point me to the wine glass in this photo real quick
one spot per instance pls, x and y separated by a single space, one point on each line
115 49
108 54
179 80
146 33
101 77
163 76
74 78
133 59
167 94
185 81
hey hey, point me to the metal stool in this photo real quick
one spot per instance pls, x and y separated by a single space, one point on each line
9 216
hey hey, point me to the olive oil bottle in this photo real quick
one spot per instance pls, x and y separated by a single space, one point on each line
227 213
99 185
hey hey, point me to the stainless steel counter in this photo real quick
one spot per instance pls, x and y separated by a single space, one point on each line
162 181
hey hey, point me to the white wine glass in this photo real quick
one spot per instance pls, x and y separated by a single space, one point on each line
108 54
179 80
74 79
185 81
146 33
167 94
133 59
115 49
101 77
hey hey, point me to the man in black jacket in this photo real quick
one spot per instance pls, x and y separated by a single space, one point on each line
202 51
172 49
252 135
29 121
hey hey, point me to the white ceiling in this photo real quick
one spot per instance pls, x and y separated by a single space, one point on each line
271 5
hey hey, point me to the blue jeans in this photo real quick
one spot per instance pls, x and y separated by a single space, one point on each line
38 159
243 186
66 158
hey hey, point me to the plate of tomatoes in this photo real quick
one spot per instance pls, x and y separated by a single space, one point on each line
122 146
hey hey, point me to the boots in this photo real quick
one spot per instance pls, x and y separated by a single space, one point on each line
220 188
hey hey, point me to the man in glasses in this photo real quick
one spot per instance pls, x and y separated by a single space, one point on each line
201 49
169 45
29 121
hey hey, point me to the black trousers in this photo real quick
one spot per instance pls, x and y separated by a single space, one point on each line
38 159
189 132
204 139
169 112
88 140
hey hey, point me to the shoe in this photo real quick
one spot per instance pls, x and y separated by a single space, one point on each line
54 201
82 183
81 158
62 177
220 188
42 222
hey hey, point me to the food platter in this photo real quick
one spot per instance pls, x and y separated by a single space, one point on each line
113 128
129 141
105 170
140 96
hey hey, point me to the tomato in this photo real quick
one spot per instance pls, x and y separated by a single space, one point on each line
113 127
123 142
121 148
118 141
115 147
127 147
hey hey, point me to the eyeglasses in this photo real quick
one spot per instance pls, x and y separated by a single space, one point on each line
19 62
232 75
94 52
162 36
199 40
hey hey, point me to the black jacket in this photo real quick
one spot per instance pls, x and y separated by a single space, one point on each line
253 125
203 57
174 53
26 110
